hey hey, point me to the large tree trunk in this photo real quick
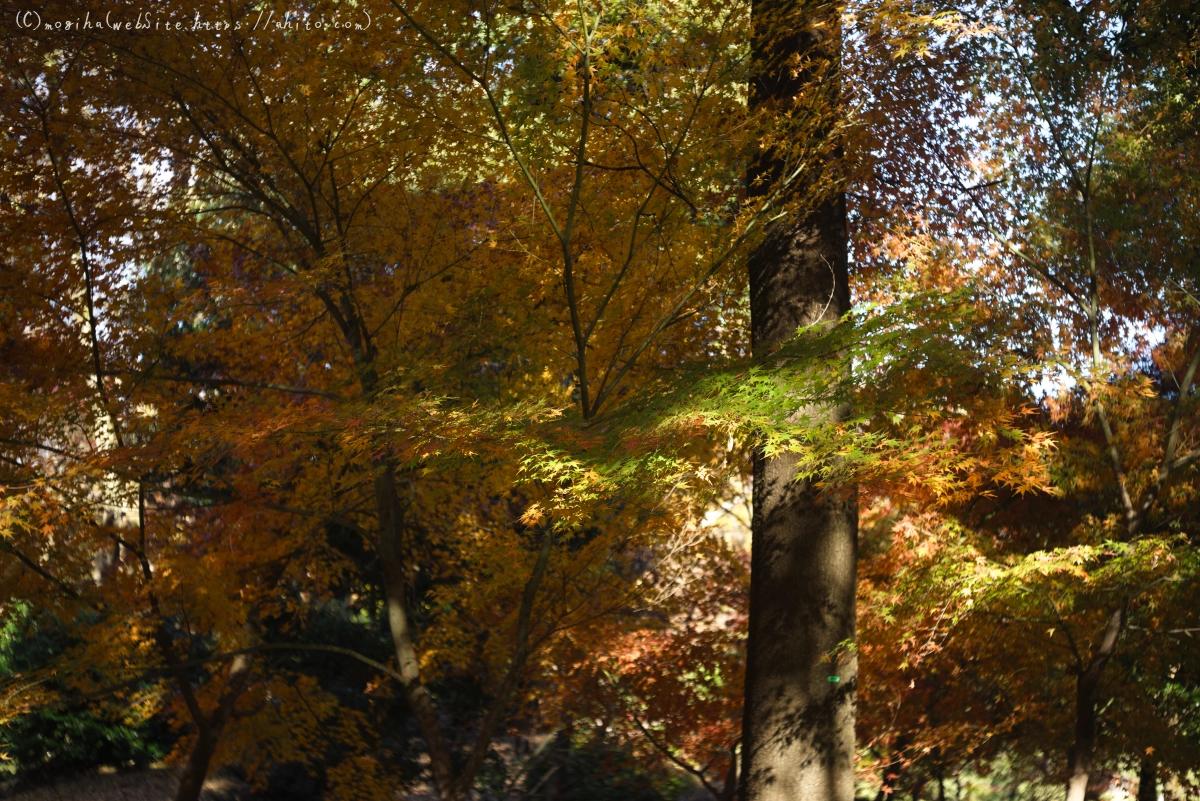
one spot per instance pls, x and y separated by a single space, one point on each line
1079 765
799 716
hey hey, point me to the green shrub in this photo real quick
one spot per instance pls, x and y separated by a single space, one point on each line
601 769
67 739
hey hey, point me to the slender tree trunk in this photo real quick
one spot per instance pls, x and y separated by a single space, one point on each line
729 790
556 782
799 718
1148 780
1079 761
451 785
191 783
391 558
887 787
392 561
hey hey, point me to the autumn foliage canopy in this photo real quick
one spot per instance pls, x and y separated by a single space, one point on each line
378 397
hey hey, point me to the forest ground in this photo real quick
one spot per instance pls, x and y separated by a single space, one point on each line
154 784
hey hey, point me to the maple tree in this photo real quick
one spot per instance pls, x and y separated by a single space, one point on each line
298 215
1097 287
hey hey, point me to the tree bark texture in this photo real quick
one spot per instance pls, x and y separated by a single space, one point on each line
799 716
